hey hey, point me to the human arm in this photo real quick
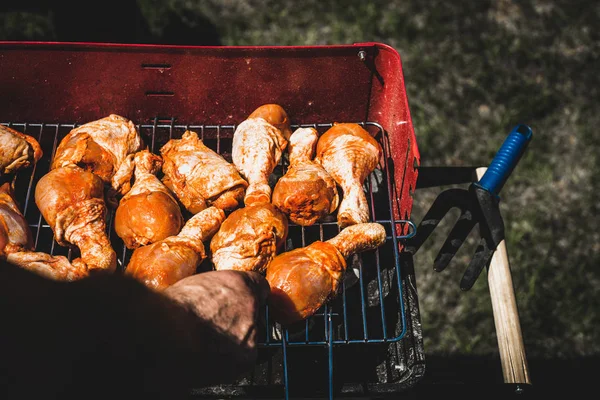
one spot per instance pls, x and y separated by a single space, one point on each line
110 336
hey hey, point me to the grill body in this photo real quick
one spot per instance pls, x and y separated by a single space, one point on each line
367 340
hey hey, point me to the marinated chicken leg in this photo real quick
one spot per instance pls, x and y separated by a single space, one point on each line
349 153
306 193
258 143
161 264
304 279
17 150
52 267
199 177
148 212
17 247
249 238
71 196
15 234
71 201
16 243
104 147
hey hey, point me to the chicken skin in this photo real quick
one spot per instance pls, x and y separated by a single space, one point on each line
71 196
163 263
249 238
275 115
349 154
304 279
104 147
17 247
17 150
258 144
199 177
15 234
148 212
306 193
71 201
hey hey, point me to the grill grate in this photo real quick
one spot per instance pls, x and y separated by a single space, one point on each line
370 306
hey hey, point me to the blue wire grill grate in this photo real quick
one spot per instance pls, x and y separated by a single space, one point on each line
369 308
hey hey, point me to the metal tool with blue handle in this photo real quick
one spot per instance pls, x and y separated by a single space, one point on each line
479 206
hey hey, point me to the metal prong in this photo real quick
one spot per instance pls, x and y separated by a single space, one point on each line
454 241
481 259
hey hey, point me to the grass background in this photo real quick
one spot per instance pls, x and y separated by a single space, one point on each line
473 70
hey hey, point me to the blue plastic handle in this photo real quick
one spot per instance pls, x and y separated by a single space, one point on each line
506 159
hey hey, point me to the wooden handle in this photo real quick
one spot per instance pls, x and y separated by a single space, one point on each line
506 315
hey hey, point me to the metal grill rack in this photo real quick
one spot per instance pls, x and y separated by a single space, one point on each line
370 307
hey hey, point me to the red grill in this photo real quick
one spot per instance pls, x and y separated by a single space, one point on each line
368 339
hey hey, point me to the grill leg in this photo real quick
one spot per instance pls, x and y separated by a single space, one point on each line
285 369
330 353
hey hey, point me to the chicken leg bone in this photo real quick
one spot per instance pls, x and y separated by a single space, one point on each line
349 153
258 144
304 279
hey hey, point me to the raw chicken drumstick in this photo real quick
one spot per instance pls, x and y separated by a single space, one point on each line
304 279
349 153
71 201
199 177
104 147
71 196
258 143
17 247
306 193
249 238
148 212
17 150
161 264
14 230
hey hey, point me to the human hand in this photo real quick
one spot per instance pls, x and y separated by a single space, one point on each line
228 302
